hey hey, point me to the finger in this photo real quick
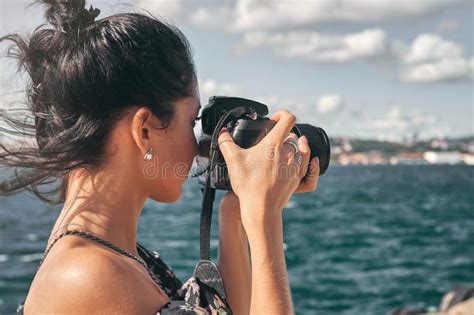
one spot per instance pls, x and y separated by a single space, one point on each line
285 122
313 175
291 135
310 181
305 154
316 166
303 187
288 149
227 145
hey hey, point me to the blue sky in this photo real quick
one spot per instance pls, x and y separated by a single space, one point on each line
360 68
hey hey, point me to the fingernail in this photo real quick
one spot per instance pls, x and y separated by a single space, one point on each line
317 160
304 139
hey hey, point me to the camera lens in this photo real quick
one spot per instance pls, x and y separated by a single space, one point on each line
318 142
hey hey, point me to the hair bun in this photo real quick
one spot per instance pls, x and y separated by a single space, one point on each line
85 17
69 16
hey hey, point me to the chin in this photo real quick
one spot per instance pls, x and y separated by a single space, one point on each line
168 196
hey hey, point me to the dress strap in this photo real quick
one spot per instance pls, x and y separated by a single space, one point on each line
107 244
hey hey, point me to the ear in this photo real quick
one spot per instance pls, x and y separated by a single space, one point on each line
141 128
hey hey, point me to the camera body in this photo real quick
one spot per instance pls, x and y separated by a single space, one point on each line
247 131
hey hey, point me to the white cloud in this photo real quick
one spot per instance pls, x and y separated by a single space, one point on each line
397 120
216 17
272 25
251 15
430 58
443 70
329 103
209 87
169 9
394 124
316 47
431 47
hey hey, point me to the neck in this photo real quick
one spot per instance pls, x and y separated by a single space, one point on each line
106 203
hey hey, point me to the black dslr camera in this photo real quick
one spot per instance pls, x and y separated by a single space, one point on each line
246 122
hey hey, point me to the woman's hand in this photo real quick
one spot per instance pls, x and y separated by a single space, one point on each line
230 206
263 178
266 175
310 181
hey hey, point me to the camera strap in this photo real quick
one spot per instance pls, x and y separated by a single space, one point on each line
206 270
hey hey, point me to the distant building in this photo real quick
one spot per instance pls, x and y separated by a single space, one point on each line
371 158
346 145
469 147
336 150
408 158
468 158
439 144
446 157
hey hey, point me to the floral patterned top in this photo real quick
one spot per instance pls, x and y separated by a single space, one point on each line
191 298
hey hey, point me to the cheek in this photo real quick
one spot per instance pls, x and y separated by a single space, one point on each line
174 166
182 150
187 147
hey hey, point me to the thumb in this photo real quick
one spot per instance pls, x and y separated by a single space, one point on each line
227 145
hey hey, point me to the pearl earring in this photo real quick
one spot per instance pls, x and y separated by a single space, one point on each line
148 155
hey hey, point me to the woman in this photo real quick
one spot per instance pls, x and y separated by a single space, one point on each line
113 103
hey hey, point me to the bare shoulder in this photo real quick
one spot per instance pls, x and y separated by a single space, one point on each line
79 278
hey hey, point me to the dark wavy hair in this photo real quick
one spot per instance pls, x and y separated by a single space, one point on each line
83 75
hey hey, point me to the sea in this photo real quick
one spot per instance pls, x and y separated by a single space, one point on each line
370 239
